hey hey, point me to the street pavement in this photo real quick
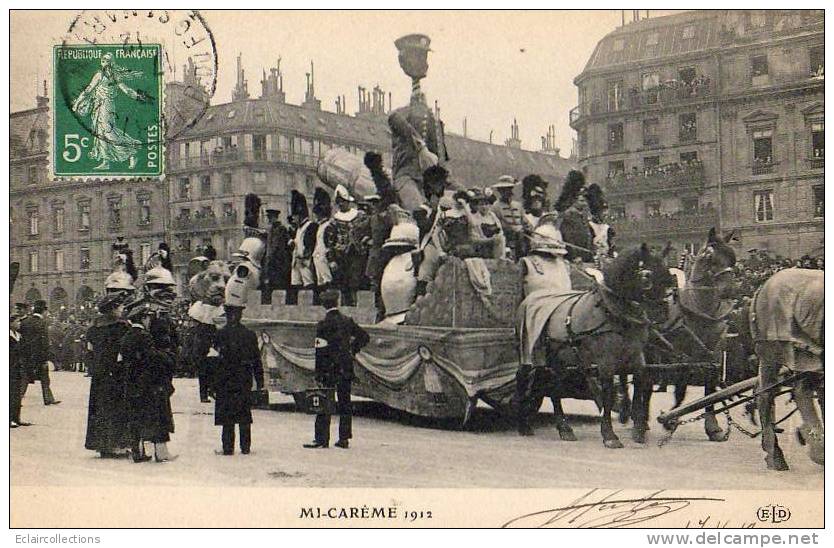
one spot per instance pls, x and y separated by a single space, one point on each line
391 449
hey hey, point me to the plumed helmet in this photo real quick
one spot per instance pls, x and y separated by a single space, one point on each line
403 234
532 186
596 199
119 281
435 174
547 239
321 203
251 210
251 249
298 205
159 276
574 183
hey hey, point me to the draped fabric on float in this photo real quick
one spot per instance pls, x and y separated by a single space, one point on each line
399 364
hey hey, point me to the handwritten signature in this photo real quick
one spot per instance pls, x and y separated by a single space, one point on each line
607 508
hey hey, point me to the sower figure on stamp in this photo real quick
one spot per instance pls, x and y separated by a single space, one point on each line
107 428
35 335
338 339
238 363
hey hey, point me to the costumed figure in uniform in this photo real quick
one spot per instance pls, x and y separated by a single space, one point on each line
399 281
148 360
302 275
511 215
278 259
449 234
107 419
417 137
380 224
338 340
603 234
35 333
239 361
348 255
572 219
322 211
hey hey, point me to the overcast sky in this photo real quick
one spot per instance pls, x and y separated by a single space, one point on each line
489 67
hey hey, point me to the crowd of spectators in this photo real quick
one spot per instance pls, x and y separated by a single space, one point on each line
677 172
760 265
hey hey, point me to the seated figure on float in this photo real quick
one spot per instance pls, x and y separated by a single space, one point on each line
485 232
449 235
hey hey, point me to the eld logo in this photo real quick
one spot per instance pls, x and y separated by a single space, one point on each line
773 514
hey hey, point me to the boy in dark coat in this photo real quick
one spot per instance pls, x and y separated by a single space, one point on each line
338 339
239 362
149 369
107 428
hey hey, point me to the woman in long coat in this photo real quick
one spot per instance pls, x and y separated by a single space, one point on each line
107 426
149 369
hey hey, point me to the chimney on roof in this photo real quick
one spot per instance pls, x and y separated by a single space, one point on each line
43 100
310 100
514 141
464 127
549 141
241 91
272 84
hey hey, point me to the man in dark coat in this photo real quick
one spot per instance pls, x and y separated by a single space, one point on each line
17 375
149 368
107 428
338 339
238 363
573 213
35 335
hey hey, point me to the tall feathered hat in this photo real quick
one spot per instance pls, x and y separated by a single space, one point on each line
532 186
251 210
298 205
574 183
596 199
165 259
321 203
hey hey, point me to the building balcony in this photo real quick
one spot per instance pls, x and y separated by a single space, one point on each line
662 225
667 178
197 224
763 167
244 155
669 93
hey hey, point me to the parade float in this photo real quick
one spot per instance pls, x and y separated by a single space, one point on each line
449 347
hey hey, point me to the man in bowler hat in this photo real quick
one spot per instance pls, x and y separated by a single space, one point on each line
35 333
338 339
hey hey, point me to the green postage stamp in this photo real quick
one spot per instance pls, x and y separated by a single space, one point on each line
107 111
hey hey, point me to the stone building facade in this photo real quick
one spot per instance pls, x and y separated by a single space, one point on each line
711 118
62 232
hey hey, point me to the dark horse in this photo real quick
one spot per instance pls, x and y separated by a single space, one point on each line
598 333
696 323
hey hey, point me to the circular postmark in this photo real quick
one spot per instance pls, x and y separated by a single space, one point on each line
117 69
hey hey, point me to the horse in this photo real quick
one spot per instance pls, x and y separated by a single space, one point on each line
695 321
606 326
787 317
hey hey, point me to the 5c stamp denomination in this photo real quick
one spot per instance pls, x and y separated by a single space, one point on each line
107 110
